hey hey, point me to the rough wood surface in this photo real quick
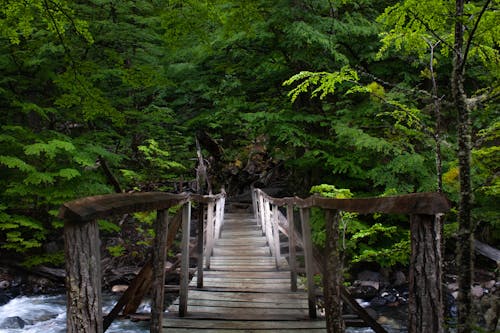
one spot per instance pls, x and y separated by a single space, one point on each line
416 203
83 278
426 310
101 206
243 290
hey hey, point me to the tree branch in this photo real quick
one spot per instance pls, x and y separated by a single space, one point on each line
471 35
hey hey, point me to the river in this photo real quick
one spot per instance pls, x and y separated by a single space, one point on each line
44 314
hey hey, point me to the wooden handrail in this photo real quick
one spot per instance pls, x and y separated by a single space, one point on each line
82 249
425 300
429 203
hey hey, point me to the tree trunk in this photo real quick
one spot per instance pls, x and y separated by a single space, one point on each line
465 232
333 275
426 312
83 277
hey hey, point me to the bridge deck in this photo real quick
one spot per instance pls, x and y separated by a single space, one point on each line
243 291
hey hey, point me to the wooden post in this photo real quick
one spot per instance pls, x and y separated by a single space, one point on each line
332 277
210 233
255 205
276 236
158 258
309 260
199 245
83 277
426 302
262 214
292 247
269 231
218 219
184 276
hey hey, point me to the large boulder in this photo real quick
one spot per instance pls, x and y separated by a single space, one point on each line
12 323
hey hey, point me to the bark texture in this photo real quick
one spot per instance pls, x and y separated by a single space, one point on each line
83 277
158 258
465 232
426 311
333 275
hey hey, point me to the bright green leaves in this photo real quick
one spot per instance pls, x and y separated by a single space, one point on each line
324 83
21 19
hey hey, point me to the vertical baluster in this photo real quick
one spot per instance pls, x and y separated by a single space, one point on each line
309 260
210 233
292 247
184 278
276 236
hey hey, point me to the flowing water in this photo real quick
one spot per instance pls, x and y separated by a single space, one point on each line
44 314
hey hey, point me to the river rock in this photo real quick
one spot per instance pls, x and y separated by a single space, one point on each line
477 291
119 288
4 299
371 276
13 323
363 292
399 279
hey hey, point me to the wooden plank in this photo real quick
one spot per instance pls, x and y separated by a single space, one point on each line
242 251
256 275
291 304
202 330
487 251
292 248
224 325
241 316
246 312
249 297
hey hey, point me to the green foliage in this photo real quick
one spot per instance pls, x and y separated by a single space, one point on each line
382 242
116 250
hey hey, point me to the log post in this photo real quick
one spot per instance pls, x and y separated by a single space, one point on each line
426 302
292 247
158 259
309 260
332 277
83 277
199 245
184 276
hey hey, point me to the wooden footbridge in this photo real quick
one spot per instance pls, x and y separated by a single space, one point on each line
243 280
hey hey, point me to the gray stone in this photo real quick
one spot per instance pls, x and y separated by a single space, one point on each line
13 323
477 291
4 284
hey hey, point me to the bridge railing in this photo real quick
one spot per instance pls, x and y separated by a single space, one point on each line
82 251
425 291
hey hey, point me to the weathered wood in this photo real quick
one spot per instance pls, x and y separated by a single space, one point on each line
332 277
101 206
487 251
292 260
199 244
360 311
210 233
308 254
416 203
83 277
184 275
141 282
158 258
223 325
426 311
276 235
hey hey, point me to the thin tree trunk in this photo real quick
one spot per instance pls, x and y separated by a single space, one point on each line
465 233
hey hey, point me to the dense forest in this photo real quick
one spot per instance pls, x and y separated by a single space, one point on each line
341 97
